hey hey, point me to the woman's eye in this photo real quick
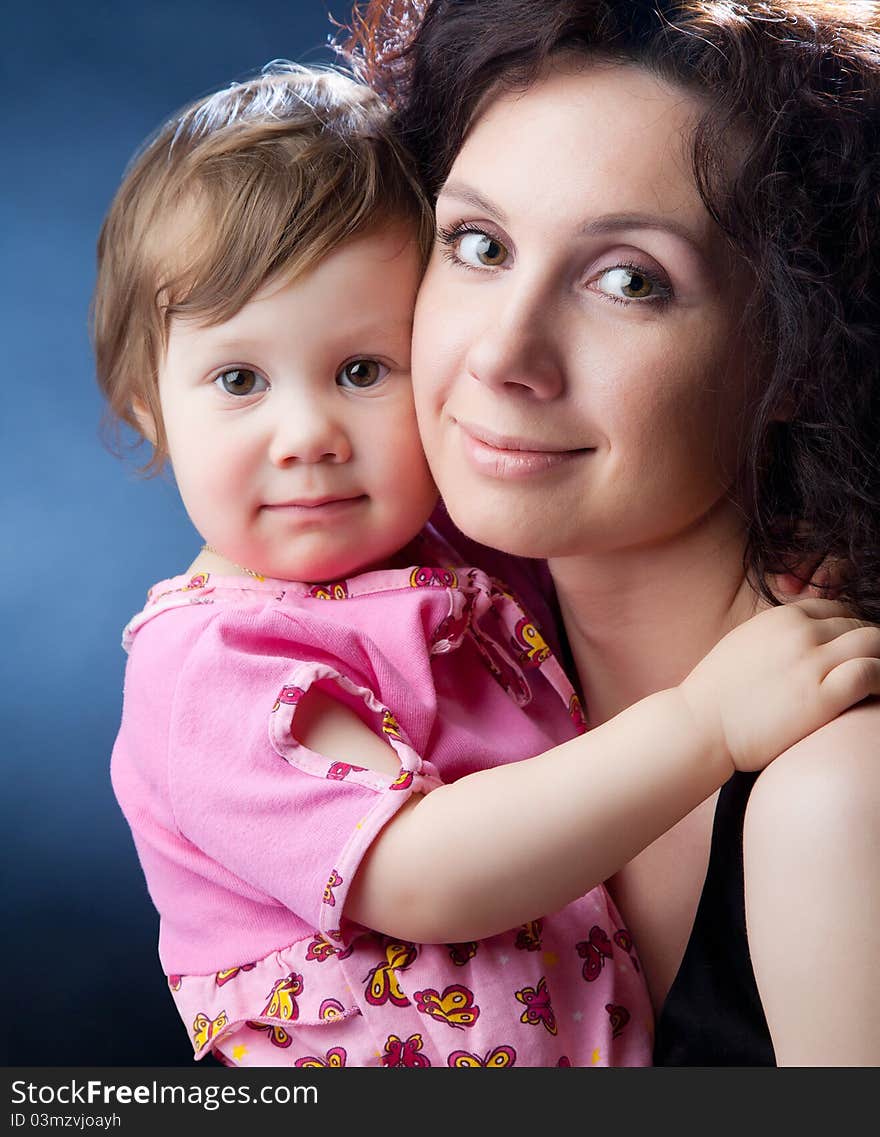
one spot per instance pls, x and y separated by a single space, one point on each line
625 282
361 373
241 381
474 248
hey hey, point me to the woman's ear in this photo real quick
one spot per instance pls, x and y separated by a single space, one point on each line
145 419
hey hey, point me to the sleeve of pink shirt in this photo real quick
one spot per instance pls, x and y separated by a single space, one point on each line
290 822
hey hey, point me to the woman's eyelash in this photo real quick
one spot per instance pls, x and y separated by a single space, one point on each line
663 287
449 236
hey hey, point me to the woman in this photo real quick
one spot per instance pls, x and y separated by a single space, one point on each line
647 349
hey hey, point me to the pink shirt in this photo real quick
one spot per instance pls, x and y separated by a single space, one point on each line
249 841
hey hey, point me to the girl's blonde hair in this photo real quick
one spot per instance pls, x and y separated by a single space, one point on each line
260 180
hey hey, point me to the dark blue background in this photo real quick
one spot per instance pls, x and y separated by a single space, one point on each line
83 536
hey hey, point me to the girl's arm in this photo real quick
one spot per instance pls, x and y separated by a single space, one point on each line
503 846
811 851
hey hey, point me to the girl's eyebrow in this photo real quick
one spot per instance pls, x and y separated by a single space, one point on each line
599 226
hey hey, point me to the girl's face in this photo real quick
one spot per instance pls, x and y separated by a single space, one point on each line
580 372
291 427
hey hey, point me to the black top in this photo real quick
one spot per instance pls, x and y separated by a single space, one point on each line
713 1015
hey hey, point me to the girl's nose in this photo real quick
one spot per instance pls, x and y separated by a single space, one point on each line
515 350
308 432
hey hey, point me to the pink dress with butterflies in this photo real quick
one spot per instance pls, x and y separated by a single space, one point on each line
249 841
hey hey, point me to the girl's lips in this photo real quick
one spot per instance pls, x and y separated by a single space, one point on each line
507 458
315 509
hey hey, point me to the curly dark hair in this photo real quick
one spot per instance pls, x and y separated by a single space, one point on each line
799 83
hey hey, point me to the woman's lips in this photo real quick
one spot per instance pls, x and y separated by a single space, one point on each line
501 456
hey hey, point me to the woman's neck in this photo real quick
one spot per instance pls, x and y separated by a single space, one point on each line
639 620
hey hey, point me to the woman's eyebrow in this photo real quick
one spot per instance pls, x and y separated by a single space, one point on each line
599 226
618 222
467 194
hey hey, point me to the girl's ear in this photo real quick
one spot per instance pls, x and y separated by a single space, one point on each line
145 420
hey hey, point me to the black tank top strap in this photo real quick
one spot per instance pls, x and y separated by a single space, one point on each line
713 1014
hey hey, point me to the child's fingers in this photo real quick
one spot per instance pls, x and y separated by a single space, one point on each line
820 609
834 627
862 643
851 681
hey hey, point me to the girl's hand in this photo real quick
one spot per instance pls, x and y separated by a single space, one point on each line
780 676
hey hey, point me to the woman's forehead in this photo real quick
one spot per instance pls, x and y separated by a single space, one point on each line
595 138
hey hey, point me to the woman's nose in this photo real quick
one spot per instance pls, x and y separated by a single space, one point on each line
515 349
306 431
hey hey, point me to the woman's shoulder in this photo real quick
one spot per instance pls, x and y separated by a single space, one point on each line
812 885
829 774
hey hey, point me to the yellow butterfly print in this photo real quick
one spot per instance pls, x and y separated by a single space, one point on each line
455 1006
204 1029
530 644
391 726
461 953
282 998
528 938
229 973
499 1057
382 982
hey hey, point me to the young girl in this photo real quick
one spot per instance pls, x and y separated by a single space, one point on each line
326 718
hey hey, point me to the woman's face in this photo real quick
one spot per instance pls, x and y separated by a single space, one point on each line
581 376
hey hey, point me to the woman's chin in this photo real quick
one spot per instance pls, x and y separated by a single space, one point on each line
517 536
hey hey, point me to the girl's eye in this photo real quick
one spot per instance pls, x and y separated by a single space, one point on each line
473 248
361 373
241 381
626 282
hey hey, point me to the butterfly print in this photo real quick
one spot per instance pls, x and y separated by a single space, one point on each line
528 938
334 882
229 973
619 1017
277 1035
403 781
539 1010
320 950
499 1057
330 1010
383 985
290 696
340 770
624 941
576 713
426 577
528 643
204 1028
455 1006
460 954
400 1053
391 726
334 1057
594 952
338 590
282 998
